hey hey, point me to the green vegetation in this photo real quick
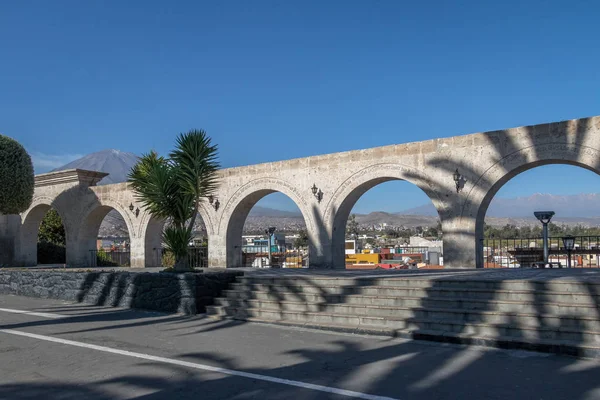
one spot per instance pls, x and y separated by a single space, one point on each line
302 240
16 177
527 232
168 259
51 239
172 188
52 229
352 226
104 260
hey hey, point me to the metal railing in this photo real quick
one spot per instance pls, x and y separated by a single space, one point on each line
101 258
528 252
197 257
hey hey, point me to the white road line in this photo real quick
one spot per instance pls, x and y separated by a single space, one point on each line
327 389
36 314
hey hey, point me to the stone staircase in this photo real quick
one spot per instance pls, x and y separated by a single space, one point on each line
559 316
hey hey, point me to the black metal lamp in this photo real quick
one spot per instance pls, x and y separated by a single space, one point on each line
318 193
211 199
131 207
569 243
457 178
544 217
216 205
137 212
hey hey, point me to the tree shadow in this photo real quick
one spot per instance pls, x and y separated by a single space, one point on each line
394 369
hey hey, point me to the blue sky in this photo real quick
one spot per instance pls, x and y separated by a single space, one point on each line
272 80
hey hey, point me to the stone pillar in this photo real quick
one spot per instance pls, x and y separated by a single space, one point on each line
217 252
140 256
79 252
319 249
461 250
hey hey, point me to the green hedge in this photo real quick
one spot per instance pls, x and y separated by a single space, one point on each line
16 177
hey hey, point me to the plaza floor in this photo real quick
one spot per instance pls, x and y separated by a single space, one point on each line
55 350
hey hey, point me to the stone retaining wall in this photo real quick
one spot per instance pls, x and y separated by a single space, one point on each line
188 293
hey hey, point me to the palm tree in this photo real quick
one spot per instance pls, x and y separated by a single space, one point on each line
172 188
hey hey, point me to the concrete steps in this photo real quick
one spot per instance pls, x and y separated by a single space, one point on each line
531 295
415 301
558 316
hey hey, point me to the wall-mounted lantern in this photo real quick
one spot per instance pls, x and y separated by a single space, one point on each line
214 202
458 180
317 192
137 210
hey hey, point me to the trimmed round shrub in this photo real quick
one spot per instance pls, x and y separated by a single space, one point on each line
16 177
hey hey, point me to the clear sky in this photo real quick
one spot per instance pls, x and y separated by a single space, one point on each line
272 80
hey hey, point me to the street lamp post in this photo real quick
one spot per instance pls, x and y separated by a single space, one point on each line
269 233
569 243
544 217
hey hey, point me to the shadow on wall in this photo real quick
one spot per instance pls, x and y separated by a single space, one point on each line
188 293
473 206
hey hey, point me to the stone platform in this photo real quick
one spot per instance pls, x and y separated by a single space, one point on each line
544 310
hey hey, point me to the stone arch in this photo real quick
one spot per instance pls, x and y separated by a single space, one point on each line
477 201
31 220
238 207
150 234
90 223
341 203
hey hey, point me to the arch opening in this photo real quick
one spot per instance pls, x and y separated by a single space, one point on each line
156 253
509 236
43 237
105 238
267 229
386 223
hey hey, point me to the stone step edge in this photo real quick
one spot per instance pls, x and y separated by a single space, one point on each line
444 289
433 298
402 308
454 311
453 281
501 342
416 320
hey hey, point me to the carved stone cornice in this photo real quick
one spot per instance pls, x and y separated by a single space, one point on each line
81 176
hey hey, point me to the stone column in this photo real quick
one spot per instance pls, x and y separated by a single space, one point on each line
461 250
140 256
217 252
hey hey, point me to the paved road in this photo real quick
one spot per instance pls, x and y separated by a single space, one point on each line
72 351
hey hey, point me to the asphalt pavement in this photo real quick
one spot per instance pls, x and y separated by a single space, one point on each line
56 350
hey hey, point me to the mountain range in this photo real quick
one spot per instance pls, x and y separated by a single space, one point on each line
581 208
565 206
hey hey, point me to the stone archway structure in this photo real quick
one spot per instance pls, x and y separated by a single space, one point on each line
347 194
236 209
485 162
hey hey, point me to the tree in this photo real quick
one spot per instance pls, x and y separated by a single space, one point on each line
352 226
302 240
392 234
172 188
16 177
52 229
